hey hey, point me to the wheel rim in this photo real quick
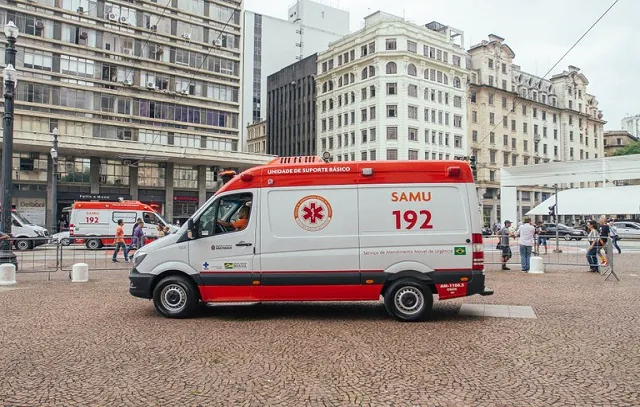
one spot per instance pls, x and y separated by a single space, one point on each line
567 237
93 244
23 245
409 300
173 298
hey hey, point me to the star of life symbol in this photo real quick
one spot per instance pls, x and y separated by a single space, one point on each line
313 213
205 265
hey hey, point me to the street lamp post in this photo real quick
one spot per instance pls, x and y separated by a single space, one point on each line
54 180
10 81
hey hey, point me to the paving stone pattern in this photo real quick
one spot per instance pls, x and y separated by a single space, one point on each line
92 344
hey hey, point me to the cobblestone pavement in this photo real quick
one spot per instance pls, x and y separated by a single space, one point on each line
93 344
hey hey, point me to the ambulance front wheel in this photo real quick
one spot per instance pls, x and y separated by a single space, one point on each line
408 300
175 297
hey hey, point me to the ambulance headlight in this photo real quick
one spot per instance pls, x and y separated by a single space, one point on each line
137 258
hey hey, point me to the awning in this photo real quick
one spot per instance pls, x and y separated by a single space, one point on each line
593 201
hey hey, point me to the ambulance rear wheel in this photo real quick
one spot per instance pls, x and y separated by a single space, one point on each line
408 300
176 297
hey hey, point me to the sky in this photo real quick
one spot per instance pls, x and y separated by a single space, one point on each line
539 32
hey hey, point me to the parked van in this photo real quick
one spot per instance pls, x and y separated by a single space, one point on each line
300 229
25 234
100 219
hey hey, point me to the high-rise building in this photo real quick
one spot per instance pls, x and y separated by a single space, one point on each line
272 43
291 109
393 90
257 137
516 118
632 125
145 97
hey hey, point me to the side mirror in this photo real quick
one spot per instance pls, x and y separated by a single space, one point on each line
191 229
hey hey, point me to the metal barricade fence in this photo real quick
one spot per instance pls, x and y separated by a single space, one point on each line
570 253
35 254
42 255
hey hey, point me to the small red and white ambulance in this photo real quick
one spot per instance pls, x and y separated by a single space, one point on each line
94 223
300 229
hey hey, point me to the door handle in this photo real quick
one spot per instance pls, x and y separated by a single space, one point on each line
243 244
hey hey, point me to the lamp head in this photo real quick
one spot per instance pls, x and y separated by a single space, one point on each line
11 30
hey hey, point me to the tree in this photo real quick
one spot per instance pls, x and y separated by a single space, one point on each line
631 148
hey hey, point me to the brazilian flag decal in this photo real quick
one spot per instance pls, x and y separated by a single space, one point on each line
228 266
460 251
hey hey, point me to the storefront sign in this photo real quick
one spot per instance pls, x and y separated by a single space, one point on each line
32 209
185 199
81 196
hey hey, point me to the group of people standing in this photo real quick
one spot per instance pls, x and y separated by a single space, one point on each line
532 238
138 238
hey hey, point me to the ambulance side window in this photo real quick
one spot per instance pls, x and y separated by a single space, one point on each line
227 214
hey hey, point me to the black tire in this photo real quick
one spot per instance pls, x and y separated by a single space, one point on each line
568 237
408 300
176 297
23 245
93 244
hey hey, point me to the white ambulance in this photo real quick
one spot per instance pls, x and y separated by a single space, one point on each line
94 223
300 229
25 234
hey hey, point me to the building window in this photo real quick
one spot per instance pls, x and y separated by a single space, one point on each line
492 118
457 101
457 121
392 154
372 134
392 133
474 136
457 83
492 138
413 154
492 157
413 134
474 116
392 110
412 91
412 47
411 70
392 68
364 135
390 44
392 88
413 112
456 60
363 115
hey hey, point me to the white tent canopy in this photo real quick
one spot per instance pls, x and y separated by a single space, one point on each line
593 201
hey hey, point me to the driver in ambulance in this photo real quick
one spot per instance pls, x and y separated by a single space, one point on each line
241 223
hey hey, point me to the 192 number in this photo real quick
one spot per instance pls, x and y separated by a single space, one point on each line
412 218
92 219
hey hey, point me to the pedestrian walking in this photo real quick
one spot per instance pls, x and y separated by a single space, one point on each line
138 238
613 232
604 239
541 238
119 242
526 232
503 244
594 238
133 232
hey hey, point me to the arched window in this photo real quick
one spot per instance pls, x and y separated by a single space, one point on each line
324 87
352 77
392 68
365 73
439 77
330 86
456 82
372 71
432 74
445 79
411 70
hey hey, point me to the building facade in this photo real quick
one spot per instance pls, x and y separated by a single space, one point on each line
291 109
273 43
146 99
614 140
516 118
257 137
631 124
393 91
